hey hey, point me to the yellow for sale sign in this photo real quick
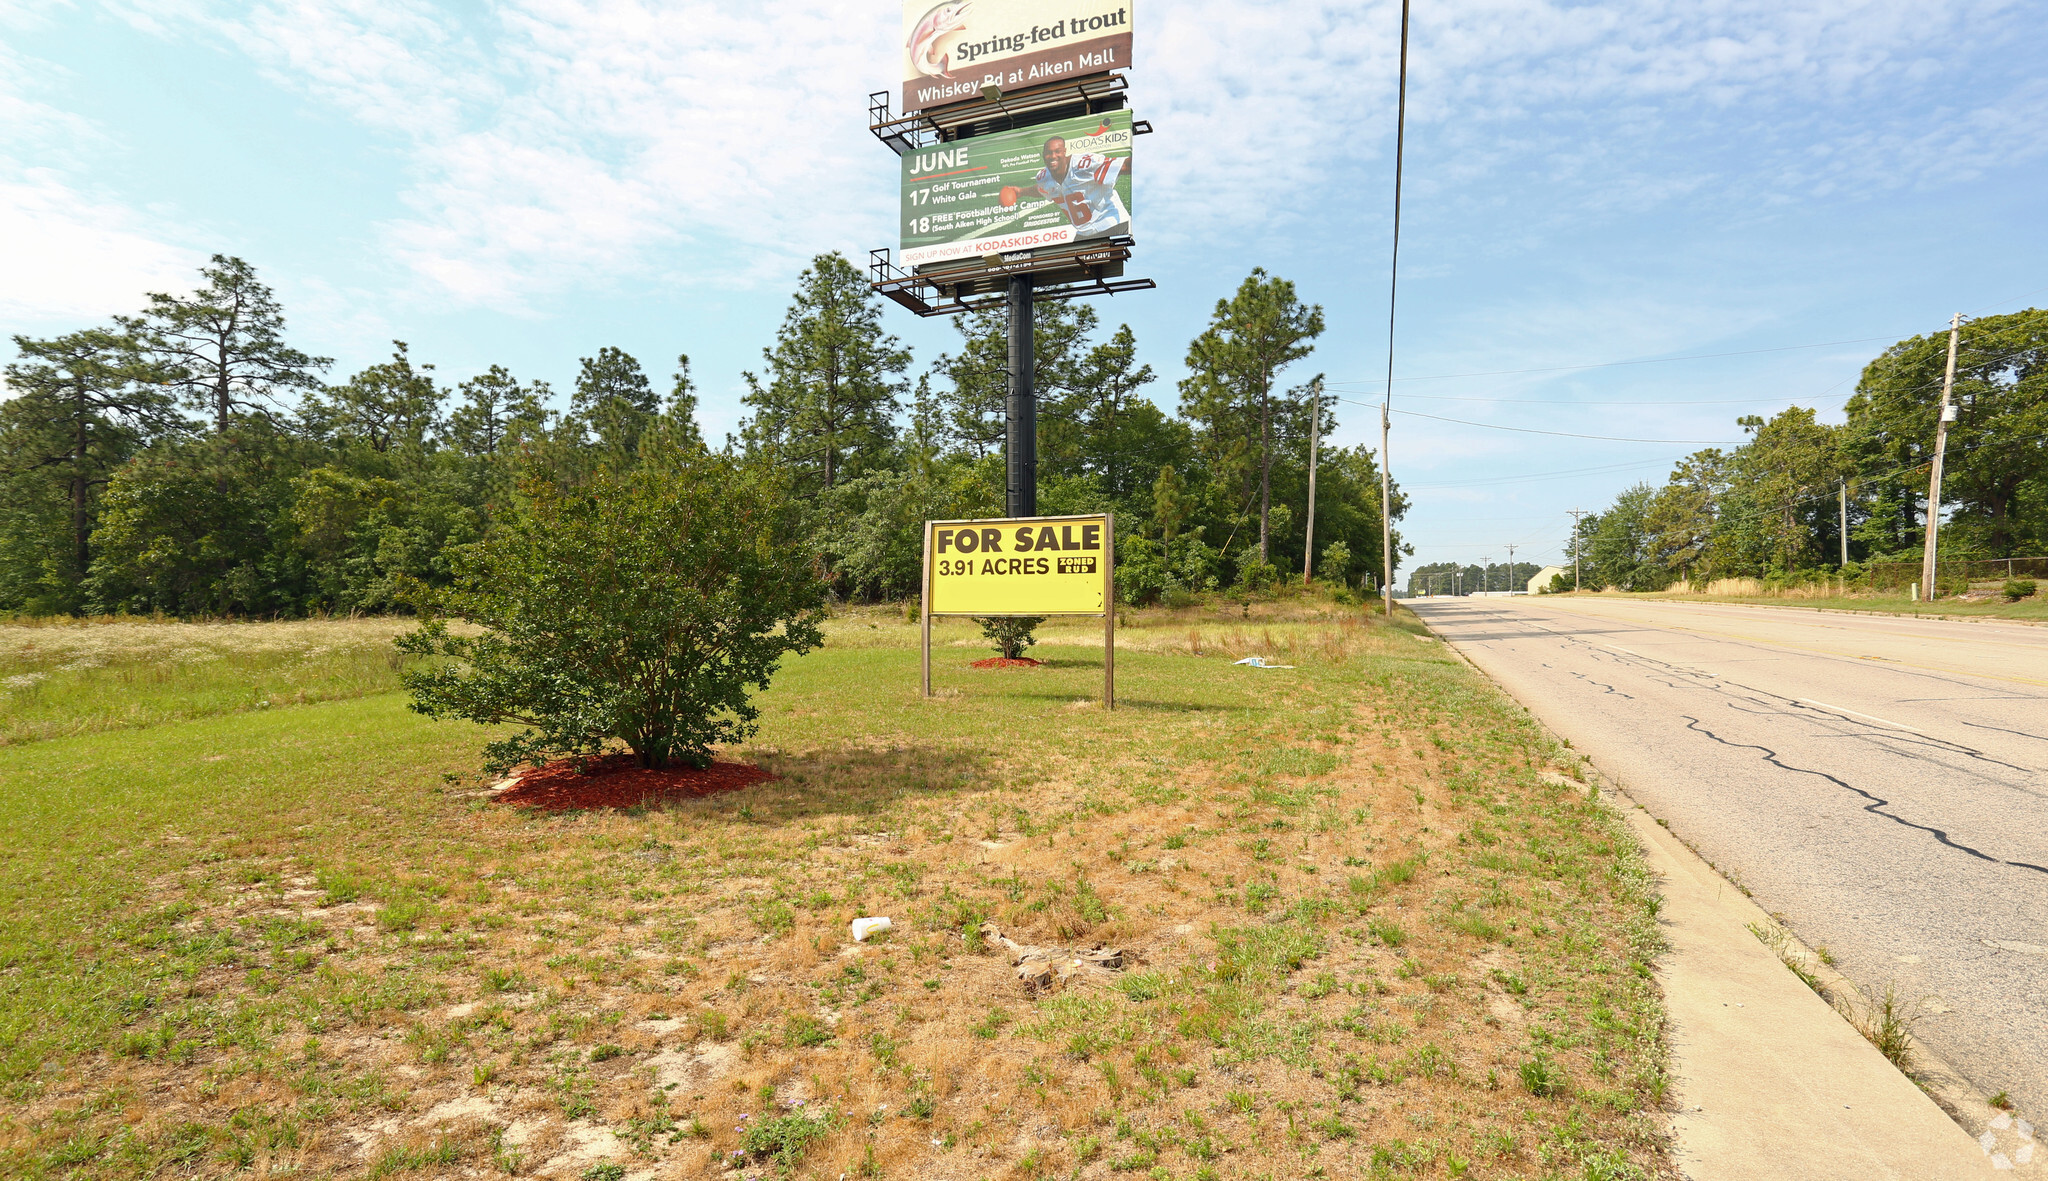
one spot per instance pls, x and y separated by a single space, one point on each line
1020 566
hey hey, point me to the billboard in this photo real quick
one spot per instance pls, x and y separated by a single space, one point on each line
1020 566
1051 184
952 48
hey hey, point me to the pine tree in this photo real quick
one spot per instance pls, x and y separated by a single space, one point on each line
391 406
84 402
1232 367
831 381
495 410
615 401
222 349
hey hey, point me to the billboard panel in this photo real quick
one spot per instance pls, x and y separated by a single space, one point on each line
1052 184
1019 566
950 49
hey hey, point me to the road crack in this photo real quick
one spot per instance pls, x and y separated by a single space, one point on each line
1875 807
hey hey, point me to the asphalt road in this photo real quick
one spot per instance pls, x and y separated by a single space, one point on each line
1879 782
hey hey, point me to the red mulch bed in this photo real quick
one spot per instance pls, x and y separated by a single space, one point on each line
1009 662
617 781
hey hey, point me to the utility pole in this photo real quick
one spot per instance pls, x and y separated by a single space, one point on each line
1020 408
1510 584
1948 385
1393 289
1315 433
1576 514
1845 522
1486 575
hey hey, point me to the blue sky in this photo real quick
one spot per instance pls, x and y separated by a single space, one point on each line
524 182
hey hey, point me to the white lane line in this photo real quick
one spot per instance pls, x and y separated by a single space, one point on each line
1619 648
1860 714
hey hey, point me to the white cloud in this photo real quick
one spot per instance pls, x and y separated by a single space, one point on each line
71 256
1625 105
563 144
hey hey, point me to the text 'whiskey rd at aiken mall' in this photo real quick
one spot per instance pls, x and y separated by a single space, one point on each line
948 61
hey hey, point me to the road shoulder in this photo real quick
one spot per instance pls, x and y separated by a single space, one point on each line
1769 1081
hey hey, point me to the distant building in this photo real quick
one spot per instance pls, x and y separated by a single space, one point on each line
1539 582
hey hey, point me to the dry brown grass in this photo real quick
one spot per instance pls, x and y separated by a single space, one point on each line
1355 907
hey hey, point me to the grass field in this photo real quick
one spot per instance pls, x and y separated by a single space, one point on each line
1372 924
2033 609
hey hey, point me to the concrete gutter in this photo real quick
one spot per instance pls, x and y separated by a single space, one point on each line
1770 1081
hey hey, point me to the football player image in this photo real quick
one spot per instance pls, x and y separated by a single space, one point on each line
1083 186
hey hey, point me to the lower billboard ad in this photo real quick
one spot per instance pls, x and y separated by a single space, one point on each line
1052 184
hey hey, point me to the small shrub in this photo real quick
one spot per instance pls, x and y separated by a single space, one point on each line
605 1052
1011 635
2016 589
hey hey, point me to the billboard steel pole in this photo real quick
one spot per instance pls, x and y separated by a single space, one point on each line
1020 430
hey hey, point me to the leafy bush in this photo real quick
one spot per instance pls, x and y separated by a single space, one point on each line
1011 635
2016 589
637 608
1255 573
1335 564
1173 572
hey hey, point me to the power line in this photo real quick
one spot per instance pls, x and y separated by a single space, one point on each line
1565 434
1578 402
1877 397
1613 364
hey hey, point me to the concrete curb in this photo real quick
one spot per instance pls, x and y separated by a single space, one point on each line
1769 1079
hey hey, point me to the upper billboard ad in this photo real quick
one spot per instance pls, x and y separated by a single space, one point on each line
1053 184
951 50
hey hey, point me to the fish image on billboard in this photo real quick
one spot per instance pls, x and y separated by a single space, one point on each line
930 35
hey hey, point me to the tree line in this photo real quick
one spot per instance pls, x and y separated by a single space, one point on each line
1454 578
190 460
1772 507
